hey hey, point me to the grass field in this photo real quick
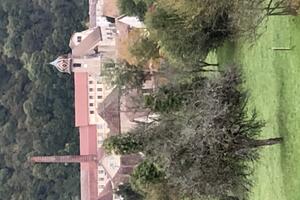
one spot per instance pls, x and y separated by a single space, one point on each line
273 80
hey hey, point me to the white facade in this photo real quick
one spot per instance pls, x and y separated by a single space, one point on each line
97 92
131 21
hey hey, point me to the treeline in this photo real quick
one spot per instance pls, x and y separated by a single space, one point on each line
36 102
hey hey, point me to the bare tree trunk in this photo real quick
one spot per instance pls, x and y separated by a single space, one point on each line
203 70
280 8
279 13
241 149
266 142
206 64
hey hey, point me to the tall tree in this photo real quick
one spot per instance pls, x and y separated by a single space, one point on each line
134 7
125 75
204 146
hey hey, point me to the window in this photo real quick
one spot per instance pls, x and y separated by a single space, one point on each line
98 82
91 89
101 186
111 25
101 171
99 89
100 134
90 82
91 104
109 38
100 141
99 126
109 33
92 112
79 39
101 179
76 65
110 19
99 97
91 97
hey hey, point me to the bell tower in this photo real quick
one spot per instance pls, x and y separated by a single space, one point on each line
63 63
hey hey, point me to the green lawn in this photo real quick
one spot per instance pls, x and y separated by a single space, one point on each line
273 80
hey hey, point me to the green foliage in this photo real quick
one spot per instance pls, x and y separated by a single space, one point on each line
185 40
134 7
187 30
164 101
123 144
173 96
127 193
36 109
146 173
124 75
204 146
145 49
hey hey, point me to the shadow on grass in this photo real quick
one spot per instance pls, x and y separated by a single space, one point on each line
226 55
284 132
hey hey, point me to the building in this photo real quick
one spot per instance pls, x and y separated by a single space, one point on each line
98 107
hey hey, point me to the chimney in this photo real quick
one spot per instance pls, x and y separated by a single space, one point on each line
64 159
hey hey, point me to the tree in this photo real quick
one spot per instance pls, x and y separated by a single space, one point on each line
204 146
183 40
127 193
168 98
124 75
187 30
122 145
283 7
145 49
134 7
146 173
31 97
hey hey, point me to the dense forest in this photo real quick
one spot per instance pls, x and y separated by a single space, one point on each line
36 102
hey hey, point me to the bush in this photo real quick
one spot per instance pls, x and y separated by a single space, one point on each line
123 144
188 30
134 7
145 49
146 173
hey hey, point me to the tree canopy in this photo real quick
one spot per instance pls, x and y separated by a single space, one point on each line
204 145
134 7
124 75
36 102
186 31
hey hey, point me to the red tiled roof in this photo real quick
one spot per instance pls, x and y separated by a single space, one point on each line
88 140
88 171
131 160
107 193
81 99
88 181
109 110
129 105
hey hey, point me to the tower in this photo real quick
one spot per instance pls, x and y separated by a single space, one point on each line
63 63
